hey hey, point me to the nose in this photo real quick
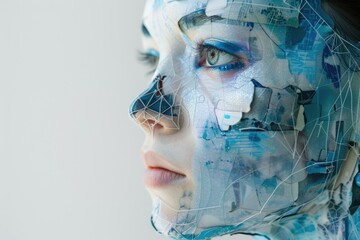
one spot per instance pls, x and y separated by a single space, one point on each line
156 111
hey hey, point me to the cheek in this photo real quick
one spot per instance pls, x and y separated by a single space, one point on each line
246 168
222 100
254 148
270 72
238 169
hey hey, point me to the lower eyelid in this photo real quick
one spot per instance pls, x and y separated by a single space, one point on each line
230 66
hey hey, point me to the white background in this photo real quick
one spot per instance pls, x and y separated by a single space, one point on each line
69 154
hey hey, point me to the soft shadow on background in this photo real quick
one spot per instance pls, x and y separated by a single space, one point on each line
69 154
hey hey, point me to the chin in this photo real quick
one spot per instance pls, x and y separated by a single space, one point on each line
192 222
196 224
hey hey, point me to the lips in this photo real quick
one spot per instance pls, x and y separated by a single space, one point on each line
159 172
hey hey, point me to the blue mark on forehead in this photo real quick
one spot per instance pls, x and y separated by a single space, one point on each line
303 45
157 3
305 35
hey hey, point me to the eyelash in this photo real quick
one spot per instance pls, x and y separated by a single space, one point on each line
150 59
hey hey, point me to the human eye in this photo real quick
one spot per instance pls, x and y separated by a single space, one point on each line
222 56
150 58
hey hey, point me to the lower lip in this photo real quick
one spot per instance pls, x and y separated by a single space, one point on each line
159 177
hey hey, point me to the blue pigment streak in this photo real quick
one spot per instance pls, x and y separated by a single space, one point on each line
228 47
332 71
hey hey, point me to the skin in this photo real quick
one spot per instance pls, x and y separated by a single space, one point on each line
226 176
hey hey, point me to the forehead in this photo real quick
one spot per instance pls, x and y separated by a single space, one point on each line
172 10
273 12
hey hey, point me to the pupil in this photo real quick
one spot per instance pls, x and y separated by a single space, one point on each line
212 56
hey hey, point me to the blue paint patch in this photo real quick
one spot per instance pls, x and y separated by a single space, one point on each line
270 183
308 18
294 36
355 226
157 3
227 116
250 25
253 137
332 71
357 180
208 163
281 110
322 167
302 45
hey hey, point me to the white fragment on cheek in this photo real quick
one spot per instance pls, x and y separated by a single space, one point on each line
215 7
332 60
300 120
227 118
295 191
233 104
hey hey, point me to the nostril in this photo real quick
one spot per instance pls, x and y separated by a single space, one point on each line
149 121
152 124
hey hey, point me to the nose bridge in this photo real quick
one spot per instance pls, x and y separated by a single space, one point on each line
158 107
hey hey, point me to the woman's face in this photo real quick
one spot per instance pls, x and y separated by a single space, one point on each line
230 113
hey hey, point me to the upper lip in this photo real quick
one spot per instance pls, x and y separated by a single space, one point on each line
153 160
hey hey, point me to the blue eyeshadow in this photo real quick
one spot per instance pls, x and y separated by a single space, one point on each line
228 47
153 52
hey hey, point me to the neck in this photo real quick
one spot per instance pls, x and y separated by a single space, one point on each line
325 218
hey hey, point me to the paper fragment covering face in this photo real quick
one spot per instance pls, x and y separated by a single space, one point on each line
250 119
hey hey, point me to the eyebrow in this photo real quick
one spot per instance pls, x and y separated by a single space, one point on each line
199 18
145 31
